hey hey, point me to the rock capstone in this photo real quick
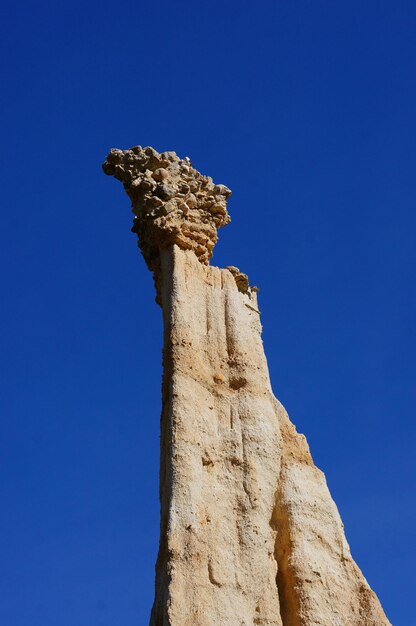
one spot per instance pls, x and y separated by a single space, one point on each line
172 202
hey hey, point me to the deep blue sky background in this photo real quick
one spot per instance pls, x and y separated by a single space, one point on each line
307 110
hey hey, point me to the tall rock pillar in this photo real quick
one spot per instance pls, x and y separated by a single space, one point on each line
249 533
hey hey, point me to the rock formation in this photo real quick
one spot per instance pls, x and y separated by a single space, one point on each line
249 532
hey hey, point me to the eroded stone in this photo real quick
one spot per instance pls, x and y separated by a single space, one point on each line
249 531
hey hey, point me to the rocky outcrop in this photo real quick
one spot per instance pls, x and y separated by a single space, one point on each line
172 203
249 532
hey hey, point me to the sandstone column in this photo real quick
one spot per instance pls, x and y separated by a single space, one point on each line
249 532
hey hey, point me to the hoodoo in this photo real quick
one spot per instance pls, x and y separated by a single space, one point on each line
249 533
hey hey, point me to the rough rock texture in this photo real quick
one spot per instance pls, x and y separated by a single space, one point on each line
249 532
172 202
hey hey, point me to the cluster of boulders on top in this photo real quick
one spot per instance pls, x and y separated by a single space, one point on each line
172 202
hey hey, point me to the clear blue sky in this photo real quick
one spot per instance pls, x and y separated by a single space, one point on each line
307 110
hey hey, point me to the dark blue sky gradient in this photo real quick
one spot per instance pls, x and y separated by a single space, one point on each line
307 111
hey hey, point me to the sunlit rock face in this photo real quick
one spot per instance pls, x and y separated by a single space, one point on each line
249 532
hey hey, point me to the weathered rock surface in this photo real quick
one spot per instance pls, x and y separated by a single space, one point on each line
172 203
249 531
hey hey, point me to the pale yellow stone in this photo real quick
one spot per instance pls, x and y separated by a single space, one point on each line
249 531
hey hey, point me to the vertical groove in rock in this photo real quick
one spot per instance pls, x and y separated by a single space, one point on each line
285 579
249 533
